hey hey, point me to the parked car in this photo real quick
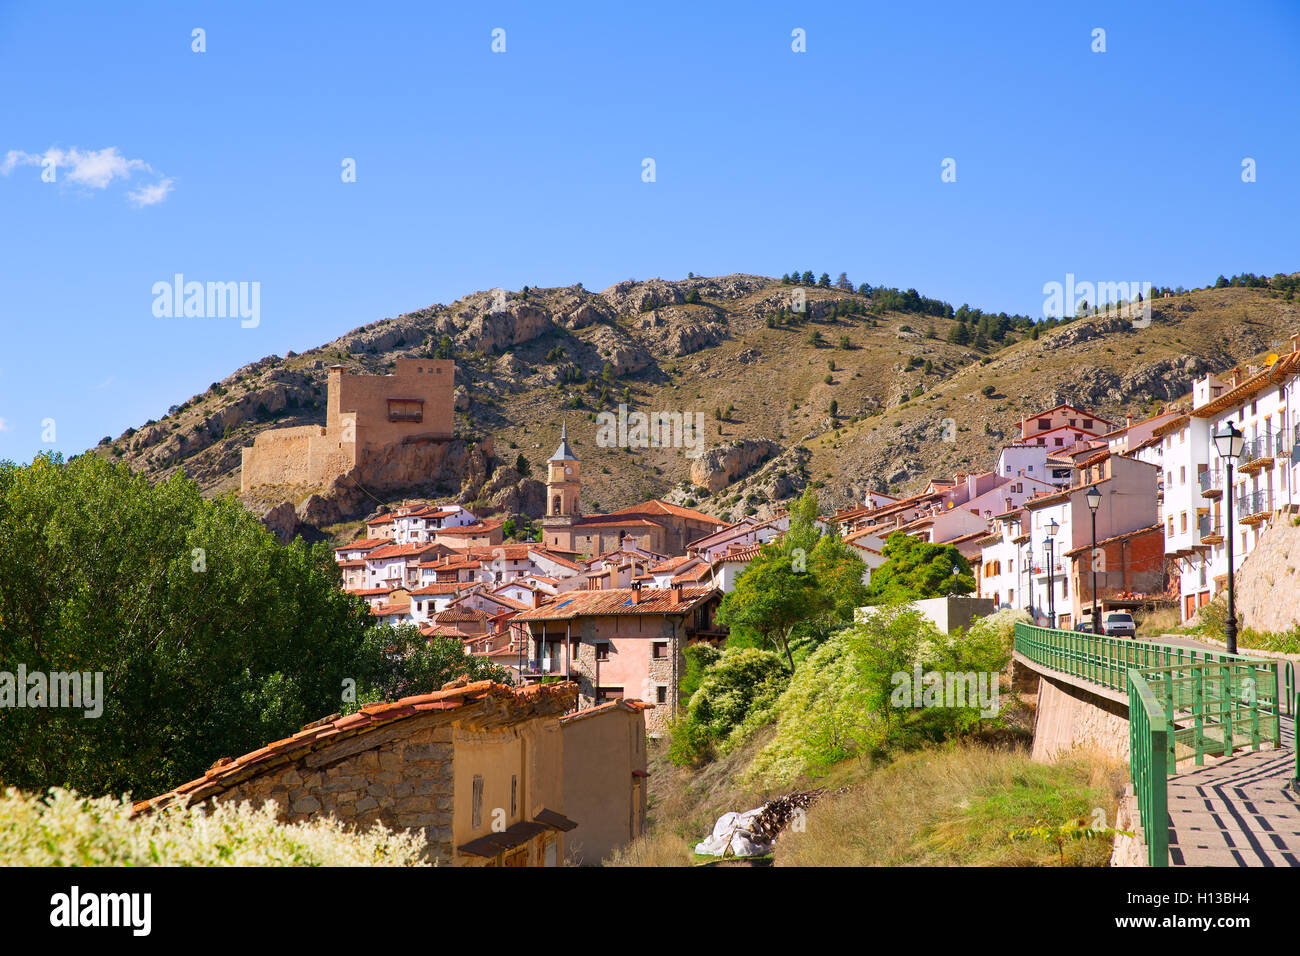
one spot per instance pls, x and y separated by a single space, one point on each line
1119 624
1085 627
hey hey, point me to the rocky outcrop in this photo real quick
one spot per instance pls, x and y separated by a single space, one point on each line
718 467
281 521
494 331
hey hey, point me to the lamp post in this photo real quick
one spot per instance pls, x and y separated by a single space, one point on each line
1094 501
1052 528
1229 444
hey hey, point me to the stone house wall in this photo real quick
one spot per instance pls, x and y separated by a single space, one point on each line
406 781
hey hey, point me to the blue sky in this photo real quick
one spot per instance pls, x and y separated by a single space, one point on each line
478 169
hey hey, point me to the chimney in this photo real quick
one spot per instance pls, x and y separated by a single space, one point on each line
537 598
1128 421
675 595
636 592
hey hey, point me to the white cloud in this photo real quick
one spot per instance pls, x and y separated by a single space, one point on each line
149 195
94 168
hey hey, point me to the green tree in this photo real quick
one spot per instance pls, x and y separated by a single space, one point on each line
771 597
522 466
915 569
212 638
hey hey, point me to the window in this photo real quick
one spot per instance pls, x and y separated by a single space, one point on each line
661 694
514 795
476 806
608 693
602 651
405 410
1184 522
1087 423
1060 440
1044 423
659 650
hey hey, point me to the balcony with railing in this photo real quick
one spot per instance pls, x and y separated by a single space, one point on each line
1209 530
1260 452
1254 507
1211 483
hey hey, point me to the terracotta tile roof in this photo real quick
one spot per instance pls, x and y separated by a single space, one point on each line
365 592
671 563
508 552
389 610
226 772
615 601
354 563
746 553
630 704
702 572
399 551
617 520
557 558
659 506
483 527
461 615
364 544
440 587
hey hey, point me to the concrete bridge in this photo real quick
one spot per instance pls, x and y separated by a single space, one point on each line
1209 738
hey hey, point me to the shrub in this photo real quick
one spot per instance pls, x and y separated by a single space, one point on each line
66 829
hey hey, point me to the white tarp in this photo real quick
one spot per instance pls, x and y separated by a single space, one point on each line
732 837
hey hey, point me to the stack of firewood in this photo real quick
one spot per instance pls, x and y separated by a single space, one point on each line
777 814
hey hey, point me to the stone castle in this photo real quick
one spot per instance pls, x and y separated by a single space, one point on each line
364 415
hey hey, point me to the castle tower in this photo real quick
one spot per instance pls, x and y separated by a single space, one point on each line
563 483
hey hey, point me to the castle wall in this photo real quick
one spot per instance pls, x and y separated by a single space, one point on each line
363 413
281 456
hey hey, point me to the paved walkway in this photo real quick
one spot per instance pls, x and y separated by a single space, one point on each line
1239 811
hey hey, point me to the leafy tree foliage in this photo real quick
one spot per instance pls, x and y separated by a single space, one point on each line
802 586
915 569
212 638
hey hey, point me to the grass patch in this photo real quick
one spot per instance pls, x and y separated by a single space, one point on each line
956 806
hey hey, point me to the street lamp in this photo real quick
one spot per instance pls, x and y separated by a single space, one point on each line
1229 444
1094 501
1052 528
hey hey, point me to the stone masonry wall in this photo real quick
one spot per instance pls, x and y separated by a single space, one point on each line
1068 717
1268 581
404 782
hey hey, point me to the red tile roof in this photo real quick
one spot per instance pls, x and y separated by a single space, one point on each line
661 507
630 704
364 544
399 551
615 601
483 527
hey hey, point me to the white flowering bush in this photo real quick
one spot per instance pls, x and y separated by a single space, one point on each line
999 627
64 828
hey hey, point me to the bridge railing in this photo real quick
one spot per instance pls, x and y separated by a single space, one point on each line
1104 660
1148 730
1183 702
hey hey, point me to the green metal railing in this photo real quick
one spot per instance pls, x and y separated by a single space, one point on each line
1183 703
1148 735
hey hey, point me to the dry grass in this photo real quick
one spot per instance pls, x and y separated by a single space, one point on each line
1164 620
956 806
685 803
